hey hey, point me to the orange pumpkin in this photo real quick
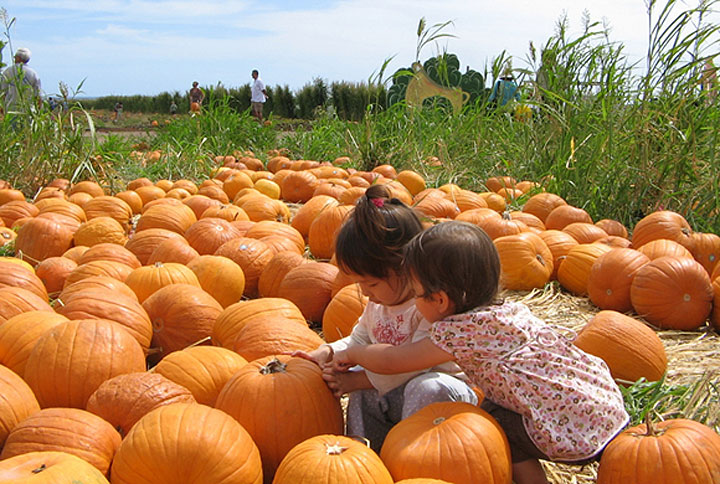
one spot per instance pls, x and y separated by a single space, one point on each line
584 233
541 204
676 450
302 405
49 467
53 271
564 215
19 334
220 277
145 280
323 230
574 271
173 250
309 286
208 234
124 399
142 244
705 248
41 238
274 336
631 349
332 458
72 359
613 227
16 300
252 255
20 275
109 268
18 401
664 247
454 441
525 260
611 276
164 445
672 293
663 224
109 252
342 312
113 207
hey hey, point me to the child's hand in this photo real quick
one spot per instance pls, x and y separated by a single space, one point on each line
341 383
341 361
322 356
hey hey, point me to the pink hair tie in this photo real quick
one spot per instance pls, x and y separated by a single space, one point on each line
378 202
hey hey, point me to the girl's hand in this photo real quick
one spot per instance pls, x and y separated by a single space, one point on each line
341 361
321 356
341 383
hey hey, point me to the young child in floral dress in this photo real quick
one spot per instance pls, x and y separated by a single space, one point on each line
553 401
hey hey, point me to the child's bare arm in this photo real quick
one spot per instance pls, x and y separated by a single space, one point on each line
388 359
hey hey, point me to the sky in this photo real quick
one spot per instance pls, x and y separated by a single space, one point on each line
127 47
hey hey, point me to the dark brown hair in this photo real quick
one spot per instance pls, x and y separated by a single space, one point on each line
458 258
372 240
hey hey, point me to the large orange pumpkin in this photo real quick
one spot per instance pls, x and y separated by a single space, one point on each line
15 300
208 234
574 271
705 248
454 441
173 250
145 280
281 402
611 276
332 458
109 252
672 293
676 450
110 268
274 336
181 315
19 334
525 260
563 215
70 361
631 349
220 277
234 317
188 443
124 399
663 224
252 255
203 370
309 286
276 270
46 467
17 403
342 312
41 238
17 275
559 244
72 430
323 230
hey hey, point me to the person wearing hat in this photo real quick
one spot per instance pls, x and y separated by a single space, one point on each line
504 90
19 84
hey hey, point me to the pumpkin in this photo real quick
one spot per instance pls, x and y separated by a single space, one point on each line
298 186
342 312
73 358
454 441
613 227
541 204
411 180
663 224
14 210
234 317
715 314
503 226
142 244
275 270
176 218
495 183
477 215
185 185
18 402
262 207
10 194
181 315
220 277
525 260
323 230
87 186
208 234
41 238
332 458
106 304
532 221
203 370
148 193
631 349
436 207
266 228
53 271
109 268
100 230
109 252
19 275
236 182
672 293
309 286
124 399
200 203
705 248
584 233
58 206
273 336
225 212
574 271
280 402
564 215
96 282
133 200
611 276
676 450
72 430
145 280
252 255
16 300
664 247
19 334
45 467
163 446
173 250
113 207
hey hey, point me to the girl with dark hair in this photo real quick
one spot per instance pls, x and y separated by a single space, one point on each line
369 246
554 401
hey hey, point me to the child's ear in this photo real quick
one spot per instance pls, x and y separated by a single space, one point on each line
445 304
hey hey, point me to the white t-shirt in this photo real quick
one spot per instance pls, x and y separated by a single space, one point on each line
256 91
395 325
12 77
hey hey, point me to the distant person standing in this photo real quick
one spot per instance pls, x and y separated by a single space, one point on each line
173 108
19 84
504 90
118 111
258 96
197 96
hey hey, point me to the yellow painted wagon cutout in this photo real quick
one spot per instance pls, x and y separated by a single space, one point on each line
422 87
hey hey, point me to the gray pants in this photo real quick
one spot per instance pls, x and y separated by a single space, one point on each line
372 416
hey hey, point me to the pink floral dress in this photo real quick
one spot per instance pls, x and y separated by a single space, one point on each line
570 404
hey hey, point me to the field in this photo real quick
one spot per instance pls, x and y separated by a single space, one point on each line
614 141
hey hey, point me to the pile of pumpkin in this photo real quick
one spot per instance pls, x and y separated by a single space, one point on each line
211 285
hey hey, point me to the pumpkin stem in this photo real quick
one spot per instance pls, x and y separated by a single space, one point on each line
39 469
506 215
648 423
438 420
273 366
335 449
